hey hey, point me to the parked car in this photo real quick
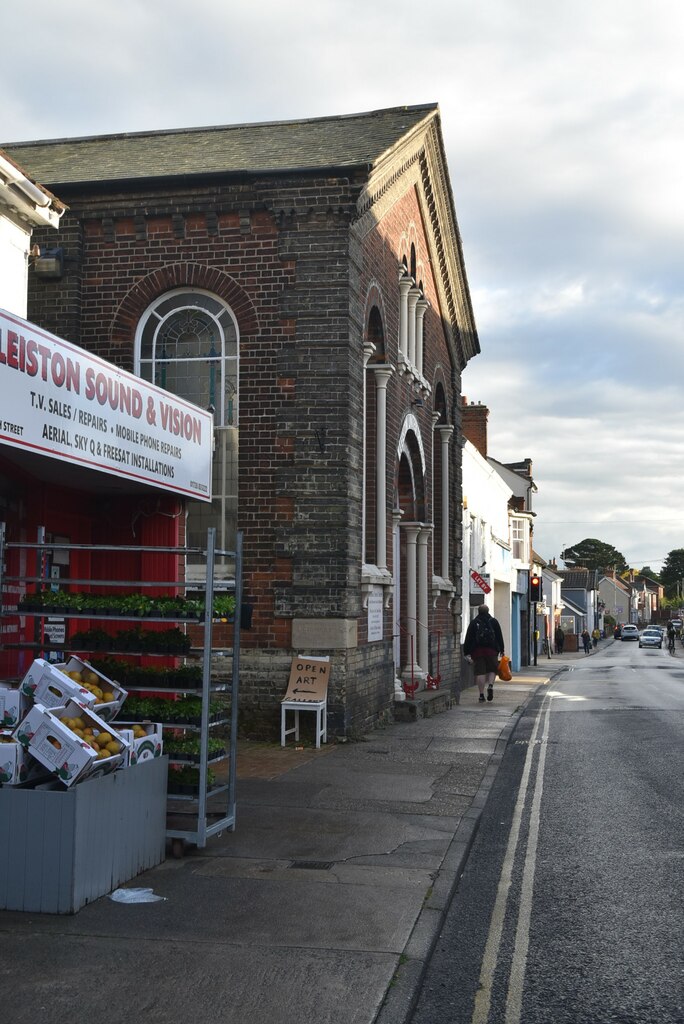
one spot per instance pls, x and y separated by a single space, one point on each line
651 638
629 632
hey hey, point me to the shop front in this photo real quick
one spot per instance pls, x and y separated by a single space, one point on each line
96 468
91 455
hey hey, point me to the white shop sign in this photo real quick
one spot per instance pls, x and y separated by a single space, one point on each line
63 402
55 631
375 622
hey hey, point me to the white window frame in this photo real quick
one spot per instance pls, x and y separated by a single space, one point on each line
222 414
519 539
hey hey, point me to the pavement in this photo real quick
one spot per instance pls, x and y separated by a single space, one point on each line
323 905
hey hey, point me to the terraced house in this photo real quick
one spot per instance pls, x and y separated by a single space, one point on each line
304 280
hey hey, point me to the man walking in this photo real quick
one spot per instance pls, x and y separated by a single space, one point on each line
559 637
483 646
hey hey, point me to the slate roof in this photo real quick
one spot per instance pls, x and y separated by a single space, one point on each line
341 142
578 579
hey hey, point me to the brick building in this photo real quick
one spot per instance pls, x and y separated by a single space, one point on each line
305 280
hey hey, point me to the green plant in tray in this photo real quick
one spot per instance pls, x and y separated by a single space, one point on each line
188 776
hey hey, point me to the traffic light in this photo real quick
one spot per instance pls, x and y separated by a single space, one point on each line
535 587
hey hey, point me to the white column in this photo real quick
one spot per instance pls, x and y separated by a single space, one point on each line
435 418
382 375
396 610
368 350
421 309
422 571
405 285
445 433
413 296
412 530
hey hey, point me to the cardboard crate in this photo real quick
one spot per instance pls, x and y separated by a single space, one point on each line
142 748
105 709
13 706
62 848
16 764
48 686
57 747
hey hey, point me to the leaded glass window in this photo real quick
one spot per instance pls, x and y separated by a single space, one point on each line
187 343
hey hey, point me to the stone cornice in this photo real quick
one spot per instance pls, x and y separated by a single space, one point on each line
420 164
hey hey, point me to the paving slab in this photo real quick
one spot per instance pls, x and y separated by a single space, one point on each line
163 981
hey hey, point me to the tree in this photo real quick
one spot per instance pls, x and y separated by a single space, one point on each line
672 574
594 554
650 573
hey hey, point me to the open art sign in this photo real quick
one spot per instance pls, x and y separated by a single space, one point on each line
308 679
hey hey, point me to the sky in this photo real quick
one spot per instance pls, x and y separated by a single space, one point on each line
563 122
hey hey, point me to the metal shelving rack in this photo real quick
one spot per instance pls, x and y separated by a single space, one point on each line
204 815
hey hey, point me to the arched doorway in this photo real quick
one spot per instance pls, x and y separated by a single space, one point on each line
411 535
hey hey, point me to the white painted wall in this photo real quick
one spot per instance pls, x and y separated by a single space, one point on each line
485 537
23 206
14 248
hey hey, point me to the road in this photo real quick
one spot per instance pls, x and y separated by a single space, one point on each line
571 907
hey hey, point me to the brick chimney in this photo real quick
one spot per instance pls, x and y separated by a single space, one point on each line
474 425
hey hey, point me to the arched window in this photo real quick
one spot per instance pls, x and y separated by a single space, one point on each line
376 335
187 343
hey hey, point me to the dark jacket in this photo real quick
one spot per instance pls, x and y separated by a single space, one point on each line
470 643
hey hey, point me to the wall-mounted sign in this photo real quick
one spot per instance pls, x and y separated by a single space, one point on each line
479 583
54 631
64 403
375 622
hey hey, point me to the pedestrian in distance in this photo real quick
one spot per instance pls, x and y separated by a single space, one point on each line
595 636
483 647
559 639
586 640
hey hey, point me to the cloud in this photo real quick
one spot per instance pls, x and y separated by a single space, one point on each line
564 133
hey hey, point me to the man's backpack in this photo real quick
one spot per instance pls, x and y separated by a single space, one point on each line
484 633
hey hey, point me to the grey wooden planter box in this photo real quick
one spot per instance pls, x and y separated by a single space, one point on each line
61 849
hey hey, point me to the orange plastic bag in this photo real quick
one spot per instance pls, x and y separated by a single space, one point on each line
504 669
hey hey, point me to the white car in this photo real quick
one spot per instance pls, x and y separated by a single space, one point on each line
651 638
630 632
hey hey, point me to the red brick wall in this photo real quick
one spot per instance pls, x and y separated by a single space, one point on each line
383 252
283 255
